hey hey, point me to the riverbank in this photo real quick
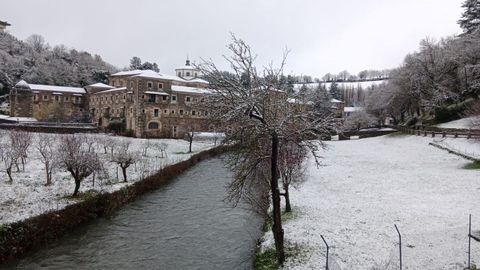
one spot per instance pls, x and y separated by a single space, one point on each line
20 237
365 187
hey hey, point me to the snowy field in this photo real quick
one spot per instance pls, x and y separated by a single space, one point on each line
28 196
464 123
365 187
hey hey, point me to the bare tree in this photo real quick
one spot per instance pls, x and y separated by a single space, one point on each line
77 160
107 143
189 137
44 143
260 120
123 157
145 145
359 119
291 159
9 157
20 141
161 148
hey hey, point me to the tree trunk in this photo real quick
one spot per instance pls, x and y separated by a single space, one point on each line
288 207
77 187
49 175
190 145
277 218
9 173
124 172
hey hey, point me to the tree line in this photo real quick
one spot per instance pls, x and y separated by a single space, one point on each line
35 61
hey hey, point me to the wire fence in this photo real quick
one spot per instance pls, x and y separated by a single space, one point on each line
444 249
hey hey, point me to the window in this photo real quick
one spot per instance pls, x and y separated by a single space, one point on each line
131 84
165 111
194 112
196 74
179 74
66 98
160 85
149 85
151 98
164 98
45 97
188 74
153 125
174 99
188 99
57 98
173 112
155 112
181 112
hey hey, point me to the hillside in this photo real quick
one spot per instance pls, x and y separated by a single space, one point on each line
36 61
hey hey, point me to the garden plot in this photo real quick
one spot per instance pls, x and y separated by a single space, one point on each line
28 195
365 187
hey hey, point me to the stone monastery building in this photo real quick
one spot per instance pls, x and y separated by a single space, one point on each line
150 104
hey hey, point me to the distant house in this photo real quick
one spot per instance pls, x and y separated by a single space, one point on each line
3 26
347 111
337 106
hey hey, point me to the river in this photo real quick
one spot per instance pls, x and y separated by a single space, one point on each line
184 225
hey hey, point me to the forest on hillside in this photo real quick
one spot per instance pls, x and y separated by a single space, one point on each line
439 82
35 61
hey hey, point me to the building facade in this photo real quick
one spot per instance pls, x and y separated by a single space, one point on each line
49 103
147 103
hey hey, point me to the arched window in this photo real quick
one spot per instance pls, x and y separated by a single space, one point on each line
153 125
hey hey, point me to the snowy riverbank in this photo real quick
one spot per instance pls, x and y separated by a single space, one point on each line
28 196
366 186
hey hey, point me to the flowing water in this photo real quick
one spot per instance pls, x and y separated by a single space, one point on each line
184 225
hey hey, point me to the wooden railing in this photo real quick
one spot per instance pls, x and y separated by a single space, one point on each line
440 132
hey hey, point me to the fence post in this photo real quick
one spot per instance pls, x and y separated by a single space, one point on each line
456 134
469 237
399 244
444 134
326 265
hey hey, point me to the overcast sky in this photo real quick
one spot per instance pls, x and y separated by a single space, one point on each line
323 35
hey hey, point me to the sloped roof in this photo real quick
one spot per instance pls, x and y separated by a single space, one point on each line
101 85
111 90
53 88
188 89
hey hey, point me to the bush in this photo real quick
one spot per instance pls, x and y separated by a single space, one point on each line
116 125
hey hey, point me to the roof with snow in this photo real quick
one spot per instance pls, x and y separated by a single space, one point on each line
148 74
333 100
101 85
188 89
52 88
111 90
353 109
198 80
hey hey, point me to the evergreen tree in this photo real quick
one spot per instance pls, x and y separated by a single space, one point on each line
470 20
335 91
135 63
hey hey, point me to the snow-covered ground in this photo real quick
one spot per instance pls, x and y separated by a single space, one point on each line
464 123
365 187
28 196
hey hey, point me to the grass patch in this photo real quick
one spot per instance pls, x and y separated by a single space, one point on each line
182 153
267 260
472 166
267 225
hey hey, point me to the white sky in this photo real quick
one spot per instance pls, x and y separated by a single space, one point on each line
323 36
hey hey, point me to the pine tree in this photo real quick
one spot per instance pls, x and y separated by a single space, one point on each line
470 20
